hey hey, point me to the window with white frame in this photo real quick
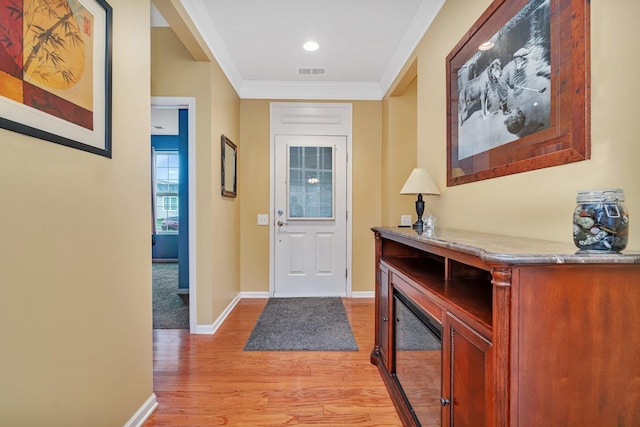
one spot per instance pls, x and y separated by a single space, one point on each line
311 183
167 182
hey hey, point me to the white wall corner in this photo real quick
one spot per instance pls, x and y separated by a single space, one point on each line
211 329
143 412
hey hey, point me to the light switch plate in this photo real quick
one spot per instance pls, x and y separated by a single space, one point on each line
405 219
263 219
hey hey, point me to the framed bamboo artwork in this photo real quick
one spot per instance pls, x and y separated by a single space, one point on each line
55 71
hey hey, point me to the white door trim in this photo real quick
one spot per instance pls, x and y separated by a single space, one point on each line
299 118
188 103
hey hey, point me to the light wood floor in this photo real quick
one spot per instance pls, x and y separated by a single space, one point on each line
208 380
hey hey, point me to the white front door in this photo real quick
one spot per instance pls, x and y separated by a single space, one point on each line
310 215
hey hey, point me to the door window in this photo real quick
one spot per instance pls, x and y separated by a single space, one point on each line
311 183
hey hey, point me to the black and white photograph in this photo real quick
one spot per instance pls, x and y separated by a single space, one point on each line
504 89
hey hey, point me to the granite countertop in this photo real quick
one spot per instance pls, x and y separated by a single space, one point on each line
496 248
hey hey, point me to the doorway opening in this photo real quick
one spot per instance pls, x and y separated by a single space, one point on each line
173 233
170 245
310 253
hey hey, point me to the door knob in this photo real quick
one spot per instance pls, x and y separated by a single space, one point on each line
280 223
444 402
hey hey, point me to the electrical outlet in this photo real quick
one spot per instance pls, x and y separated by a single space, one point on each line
405 219
263 219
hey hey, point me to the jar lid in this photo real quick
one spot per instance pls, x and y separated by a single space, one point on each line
613 195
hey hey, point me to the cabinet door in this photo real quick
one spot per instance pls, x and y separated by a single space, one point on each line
466 374
384 304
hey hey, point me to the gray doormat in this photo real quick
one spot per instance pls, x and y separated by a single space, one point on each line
316 324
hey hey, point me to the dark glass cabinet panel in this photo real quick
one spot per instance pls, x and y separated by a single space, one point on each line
418 360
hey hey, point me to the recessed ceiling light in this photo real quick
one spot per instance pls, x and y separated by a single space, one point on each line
310 46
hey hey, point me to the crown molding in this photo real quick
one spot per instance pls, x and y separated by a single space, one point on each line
204 25
315 90
311 90
415 32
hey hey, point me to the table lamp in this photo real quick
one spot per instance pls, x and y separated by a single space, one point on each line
420 182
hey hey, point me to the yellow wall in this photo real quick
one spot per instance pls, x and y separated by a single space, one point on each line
254 184
175 73
75 263
414 122
366 193
225 220
75 260
399 153
539 203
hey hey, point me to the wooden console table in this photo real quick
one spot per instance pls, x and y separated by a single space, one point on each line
533 333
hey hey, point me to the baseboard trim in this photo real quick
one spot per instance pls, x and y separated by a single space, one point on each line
254 294
211 329
363 294
143 412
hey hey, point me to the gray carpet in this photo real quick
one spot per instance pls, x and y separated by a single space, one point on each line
169 310
316 324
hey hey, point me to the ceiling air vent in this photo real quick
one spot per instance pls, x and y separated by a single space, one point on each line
312 71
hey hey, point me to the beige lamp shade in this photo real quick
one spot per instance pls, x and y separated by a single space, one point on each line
420 182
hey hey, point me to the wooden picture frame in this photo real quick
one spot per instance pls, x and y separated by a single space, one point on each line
55 71
229 156
518 90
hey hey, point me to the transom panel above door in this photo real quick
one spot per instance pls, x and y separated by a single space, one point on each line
310 199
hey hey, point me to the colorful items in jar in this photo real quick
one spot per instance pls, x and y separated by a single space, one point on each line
601 221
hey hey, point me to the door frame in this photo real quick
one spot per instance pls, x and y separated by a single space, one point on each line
311 119
188 103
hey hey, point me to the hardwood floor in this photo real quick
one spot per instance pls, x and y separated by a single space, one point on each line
208 380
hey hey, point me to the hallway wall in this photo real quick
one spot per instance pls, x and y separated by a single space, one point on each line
399 152
254 181
75 270
540 203
175 73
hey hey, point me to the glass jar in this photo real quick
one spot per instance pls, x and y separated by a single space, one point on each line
601 221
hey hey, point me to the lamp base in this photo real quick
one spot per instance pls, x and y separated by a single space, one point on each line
419 224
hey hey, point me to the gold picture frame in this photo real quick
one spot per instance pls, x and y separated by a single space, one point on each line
229 156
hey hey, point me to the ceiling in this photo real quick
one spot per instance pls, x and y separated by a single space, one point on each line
258 43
